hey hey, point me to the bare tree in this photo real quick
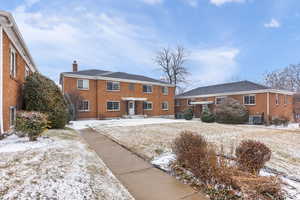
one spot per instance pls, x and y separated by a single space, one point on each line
74 98
171 63
287 78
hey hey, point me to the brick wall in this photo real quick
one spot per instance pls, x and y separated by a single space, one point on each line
98 97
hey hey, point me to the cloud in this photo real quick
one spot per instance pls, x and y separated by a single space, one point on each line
221 2
152 2
213 65
273 24
193 3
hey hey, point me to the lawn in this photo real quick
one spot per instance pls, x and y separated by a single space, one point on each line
57 166
150 140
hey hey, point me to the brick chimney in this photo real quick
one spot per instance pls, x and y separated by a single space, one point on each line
75 66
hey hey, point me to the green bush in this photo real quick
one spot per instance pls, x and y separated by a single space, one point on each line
43 95
208 116
188 114
278 121
32 124
230 111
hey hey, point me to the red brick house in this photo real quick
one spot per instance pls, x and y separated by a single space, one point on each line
259 99
15 64
107 94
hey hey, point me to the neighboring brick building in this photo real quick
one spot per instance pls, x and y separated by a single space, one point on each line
15 64
108 94
297 107
260 100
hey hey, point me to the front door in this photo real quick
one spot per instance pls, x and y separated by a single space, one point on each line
131 108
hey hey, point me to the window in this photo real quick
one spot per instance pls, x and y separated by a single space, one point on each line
113 106
147 88
286 99
177 102
277 102
220 100
165 105
165 90
83 84
27 71
112 86
147 105
13 62
12 116
249 100
131 86
189 102
84 106
297 116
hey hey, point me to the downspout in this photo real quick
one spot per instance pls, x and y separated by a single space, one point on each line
1 80
268 107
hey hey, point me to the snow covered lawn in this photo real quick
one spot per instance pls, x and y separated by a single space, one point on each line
150 140
59 166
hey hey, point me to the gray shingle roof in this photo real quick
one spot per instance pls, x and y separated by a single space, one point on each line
224 88
117 75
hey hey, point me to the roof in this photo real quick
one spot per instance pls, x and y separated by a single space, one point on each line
15 29
224 88
100 74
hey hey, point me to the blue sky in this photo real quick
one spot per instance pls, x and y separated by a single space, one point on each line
226 40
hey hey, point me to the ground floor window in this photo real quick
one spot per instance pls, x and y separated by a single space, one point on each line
113 106
249 100
147 105
220 100
12 116
84 106
297 116
165 105
177 102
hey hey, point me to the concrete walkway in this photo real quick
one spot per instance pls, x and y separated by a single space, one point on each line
142 180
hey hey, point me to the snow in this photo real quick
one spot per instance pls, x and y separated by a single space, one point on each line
164 161
55 168
82 124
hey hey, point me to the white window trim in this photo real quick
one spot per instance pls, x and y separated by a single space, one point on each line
149 102
10 108
220 97
167 89
88 84
147 86
88 110
113 83
113 110
167 103
13 69
249 103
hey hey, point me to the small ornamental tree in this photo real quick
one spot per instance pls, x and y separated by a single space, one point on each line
207 116
32 124
230 111
43 95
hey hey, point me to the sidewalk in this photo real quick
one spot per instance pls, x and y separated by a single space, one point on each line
142 180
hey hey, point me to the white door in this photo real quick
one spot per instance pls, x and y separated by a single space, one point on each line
131 108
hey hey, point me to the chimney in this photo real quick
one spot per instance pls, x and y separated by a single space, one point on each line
75 66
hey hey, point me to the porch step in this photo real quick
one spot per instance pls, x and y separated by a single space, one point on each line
134 116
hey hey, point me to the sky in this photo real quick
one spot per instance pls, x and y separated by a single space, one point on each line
225 40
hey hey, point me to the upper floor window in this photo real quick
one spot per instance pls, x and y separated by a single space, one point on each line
84 106
147 88
113 106
249 100
277 101
220 100
13 62
147 105
165 90
83 84
27 71
112 86
165 105
131 86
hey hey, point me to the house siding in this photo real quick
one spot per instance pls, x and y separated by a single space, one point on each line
97 95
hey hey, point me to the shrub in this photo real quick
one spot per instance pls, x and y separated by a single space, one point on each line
230 111
43 95
188 114
208 116
31 123
277 121
252 156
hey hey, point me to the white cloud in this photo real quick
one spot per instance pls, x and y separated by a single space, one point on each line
193 3
152 2
214 65
221 2
272 24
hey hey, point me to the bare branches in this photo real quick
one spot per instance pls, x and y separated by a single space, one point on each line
171 63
